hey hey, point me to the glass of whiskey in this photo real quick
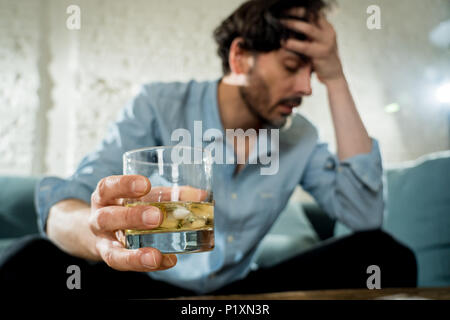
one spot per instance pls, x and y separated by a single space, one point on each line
181 187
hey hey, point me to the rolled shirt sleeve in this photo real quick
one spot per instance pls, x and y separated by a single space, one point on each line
351 190
133 129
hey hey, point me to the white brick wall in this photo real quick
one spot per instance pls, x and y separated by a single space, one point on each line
389 66
19 85
86 76
123 45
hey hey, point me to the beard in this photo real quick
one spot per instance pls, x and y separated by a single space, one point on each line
257 98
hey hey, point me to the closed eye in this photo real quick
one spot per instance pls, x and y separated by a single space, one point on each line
290 69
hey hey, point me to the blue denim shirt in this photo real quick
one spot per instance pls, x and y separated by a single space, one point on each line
246 204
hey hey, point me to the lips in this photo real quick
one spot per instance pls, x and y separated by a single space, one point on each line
285 109
291 102
286 106
295 103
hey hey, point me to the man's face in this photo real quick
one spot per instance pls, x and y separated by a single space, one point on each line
276 84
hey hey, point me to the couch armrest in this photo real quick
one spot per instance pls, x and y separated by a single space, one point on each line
17 212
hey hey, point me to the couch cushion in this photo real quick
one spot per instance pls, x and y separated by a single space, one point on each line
17 212
418 214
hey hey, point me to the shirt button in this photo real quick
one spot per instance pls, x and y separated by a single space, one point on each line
234 196
230 239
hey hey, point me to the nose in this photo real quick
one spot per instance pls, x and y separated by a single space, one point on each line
303 82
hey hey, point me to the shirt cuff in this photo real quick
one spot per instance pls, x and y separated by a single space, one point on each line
51 190
368 167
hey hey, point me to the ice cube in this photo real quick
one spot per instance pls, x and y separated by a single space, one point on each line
180 213
198 223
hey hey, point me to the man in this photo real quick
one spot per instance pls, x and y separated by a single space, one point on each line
269 50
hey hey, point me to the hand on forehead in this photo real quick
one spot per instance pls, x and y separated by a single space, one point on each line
297 12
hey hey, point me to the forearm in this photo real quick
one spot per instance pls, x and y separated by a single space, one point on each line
68 228
351 135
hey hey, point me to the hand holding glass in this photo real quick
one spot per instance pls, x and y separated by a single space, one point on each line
181 189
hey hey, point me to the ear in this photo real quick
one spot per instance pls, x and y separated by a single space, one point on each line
240 60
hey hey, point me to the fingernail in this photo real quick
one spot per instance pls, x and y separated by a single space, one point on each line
149 260
151 217
168 262
139 185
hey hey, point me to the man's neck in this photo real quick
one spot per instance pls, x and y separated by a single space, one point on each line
233 111
234 114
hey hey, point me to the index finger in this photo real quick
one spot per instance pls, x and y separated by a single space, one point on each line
323 21
297 12
110 189
308 29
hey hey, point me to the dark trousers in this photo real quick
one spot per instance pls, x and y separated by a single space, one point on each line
35 266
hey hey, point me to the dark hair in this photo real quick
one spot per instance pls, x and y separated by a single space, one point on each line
257 22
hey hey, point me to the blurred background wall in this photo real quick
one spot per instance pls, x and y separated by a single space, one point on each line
60 88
